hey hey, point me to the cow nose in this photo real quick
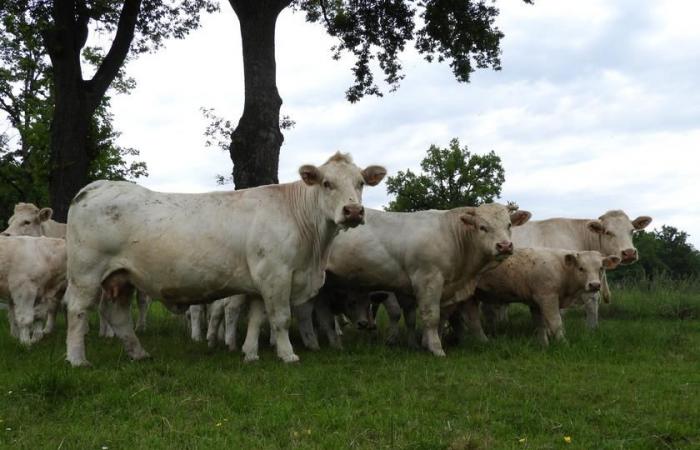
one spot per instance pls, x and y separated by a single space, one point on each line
353 214
629 255
505 248
594 286
362 324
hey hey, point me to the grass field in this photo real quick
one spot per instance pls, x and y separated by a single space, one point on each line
634 383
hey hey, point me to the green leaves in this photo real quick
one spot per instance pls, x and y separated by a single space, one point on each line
460 32
451 177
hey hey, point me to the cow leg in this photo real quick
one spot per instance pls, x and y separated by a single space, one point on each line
24 298
326 323
232 312
197 315
221 332
256 316
78 300
52 305
216 316
409 317
469 311
14 331
118 314
428 294
105 329
591 304
276 293
549 306
538 321
144 302
393 311
304 315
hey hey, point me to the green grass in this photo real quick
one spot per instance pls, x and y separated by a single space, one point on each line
634 383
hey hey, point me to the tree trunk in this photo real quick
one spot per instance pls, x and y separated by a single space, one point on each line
256 141
69 161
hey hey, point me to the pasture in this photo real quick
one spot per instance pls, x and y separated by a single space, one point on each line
634 383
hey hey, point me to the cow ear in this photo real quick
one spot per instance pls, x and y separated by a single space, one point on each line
596 226
570 259
310 174
641 222
373 175
611 262
45 214
470 219
520 218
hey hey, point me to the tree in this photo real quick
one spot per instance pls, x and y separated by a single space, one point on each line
64 27
665 252
461 32
452 177
26 98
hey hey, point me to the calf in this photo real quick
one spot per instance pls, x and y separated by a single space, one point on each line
33 279
544 279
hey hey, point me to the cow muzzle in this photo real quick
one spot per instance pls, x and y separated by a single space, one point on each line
593 286
504 248
629 256
353 215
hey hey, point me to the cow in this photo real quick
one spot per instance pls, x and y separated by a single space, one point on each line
269 241
223 315
434 256
545 279
33 279
325 308
29 220
610 234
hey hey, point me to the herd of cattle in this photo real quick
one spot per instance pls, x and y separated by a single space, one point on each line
307 250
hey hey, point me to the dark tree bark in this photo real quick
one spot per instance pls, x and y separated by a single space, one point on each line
256 141
77 99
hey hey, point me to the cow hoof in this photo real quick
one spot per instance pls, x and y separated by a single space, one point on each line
138 355
232 348
290 358
249 358
439 353
79 363
211 343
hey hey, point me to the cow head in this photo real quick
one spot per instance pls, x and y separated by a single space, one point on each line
615 231
27 220
587 268
339 185
490 226
356 307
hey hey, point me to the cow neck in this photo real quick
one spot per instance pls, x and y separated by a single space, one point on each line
469 261
315 230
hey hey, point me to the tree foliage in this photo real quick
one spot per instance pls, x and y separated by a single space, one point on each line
460 32
26 105
451 177
665 252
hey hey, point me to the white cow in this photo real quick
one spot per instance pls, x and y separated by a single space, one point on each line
270 241
28 220
611 234
33 279
545 279
434 256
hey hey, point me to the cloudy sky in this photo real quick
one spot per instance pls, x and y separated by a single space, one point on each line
597 107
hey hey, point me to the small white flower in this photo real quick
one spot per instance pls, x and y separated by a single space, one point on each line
9 392
104 447
8 429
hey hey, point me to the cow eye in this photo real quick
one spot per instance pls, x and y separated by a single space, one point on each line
327 185
510 225
483 228
361 184
610 233
580 269
26 222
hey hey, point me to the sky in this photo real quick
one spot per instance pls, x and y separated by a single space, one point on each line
597 107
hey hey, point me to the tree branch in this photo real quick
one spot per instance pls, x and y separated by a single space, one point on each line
117 52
